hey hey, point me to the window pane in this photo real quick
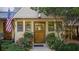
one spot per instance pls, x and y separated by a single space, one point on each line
27 26
50 26
58 26
19 26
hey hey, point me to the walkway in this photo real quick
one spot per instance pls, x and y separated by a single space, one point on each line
44 48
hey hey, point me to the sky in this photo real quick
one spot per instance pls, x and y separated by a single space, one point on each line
6 8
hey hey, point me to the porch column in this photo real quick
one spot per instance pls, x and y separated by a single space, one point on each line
55 30
15 30
15 26
46 28
32 26
24 26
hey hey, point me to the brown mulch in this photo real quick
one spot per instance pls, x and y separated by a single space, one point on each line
71 41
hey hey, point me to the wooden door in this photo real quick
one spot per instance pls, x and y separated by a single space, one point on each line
7 35
39 32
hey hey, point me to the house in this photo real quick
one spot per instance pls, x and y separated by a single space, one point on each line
28 20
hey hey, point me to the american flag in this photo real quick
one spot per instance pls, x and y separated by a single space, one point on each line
9 22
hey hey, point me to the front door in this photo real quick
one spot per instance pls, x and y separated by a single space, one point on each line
39 32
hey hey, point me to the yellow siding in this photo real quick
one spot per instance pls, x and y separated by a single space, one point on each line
1 26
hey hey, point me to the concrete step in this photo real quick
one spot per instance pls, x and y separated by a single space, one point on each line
43 48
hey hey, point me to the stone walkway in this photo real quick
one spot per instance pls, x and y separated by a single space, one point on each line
45 48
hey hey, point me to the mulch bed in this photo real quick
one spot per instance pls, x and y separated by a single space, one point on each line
71 41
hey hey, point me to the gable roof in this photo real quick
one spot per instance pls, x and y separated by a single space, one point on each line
27 12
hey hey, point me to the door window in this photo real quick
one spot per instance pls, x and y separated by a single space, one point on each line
39 26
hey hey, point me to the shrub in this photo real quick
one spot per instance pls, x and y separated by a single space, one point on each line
26 42
53 41
59 45
28 35
20 42
50 39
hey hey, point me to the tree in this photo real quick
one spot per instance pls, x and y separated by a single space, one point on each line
71 13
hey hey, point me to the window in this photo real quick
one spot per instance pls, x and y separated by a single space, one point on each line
58 26
19 26
27 26
50 26
39 26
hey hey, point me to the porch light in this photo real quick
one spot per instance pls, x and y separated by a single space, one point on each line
39 15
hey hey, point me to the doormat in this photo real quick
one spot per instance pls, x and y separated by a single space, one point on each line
38 45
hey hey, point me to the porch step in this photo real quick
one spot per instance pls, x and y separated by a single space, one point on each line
43 47
39 45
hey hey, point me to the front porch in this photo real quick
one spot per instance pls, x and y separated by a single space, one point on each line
40 28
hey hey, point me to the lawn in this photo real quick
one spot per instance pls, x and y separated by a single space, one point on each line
8 45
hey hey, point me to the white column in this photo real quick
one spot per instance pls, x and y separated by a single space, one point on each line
24 26
46 28
15 30
15 26
32 26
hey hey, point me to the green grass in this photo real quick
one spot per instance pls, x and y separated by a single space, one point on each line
69 47
11 47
